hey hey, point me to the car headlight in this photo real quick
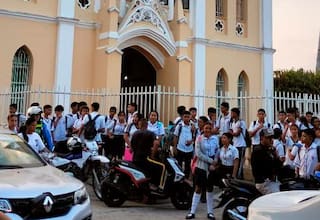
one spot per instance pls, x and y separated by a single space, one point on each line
5 205
80 196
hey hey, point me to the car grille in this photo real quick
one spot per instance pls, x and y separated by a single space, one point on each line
24 207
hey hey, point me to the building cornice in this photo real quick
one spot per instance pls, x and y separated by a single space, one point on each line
48 19
227 45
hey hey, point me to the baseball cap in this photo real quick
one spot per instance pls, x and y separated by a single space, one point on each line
267 132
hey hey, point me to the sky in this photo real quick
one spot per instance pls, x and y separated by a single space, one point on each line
296 29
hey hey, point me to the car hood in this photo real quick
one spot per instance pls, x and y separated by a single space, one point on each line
289 205
32 182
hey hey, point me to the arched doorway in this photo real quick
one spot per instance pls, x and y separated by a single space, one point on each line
138 81
136 70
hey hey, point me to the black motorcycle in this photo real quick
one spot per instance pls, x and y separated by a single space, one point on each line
238 194
126 181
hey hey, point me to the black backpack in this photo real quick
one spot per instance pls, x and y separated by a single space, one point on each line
169 136
244 133
90 131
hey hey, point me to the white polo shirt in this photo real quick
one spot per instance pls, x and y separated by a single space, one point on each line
223 123
184 134
306 160
238 141
253 126
34 140
228 155
157 128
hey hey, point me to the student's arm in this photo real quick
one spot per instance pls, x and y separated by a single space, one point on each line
235 167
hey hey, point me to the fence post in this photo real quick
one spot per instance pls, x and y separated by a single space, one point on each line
269 106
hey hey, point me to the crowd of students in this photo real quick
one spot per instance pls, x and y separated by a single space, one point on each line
214 144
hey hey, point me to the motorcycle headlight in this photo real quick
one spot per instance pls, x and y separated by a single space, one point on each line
5 205
80 196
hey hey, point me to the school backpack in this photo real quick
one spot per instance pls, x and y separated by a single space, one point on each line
90 131
169 136
245 134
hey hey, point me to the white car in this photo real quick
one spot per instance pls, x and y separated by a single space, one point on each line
32 189
293 205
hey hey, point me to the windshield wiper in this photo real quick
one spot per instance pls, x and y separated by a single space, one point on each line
2 166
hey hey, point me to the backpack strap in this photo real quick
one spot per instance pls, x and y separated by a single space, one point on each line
96 117
254 123
66 117
318 153
114 125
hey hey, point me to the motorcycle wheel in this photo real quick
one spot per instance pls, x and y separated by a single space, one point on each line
239 206
110 196
98 175
181 196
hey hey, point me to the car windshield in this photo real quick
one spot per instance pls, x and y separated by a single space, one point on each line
15 153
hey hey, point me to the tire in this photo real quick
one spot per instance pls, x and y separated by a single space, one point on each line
181 196
111 196
96 183
239 206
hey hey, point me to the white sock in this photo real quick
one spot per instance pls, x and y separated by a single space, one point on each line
195 202
209 202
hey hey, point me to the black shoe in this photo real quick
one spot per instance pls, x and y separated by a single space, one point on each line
190 216
211 216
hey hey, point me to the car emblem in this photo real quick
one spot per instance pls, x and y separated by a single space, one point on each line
47 204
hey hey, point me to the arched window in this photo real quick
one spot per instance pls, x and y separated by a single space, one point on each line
221 9
220 87
241 10
20 77
242 92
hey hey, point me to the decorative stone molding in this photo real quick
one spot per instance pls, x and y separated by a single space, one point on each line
150 48
184 57
239 29
181 44
147 11
182 20
84 4
110 50
219 25
113 8
108 35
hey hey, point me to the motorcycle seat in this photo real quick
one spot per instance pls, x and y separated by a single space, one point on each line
243 183
132 165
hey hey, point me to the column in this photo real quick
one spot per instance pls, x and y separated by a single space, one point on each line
199 53
64 51
267 57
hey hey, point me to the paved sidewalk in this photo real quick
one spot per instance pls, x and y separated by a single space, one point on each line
162 210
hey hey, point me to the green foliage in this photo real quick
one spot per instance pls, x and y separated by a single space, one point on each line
300 81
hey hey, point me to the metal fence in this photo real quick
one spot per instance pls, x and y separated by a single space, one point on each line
163 99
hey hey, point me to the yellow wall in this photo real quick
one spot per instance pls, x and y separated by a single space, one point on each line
40 39
83 58
252 38
39 7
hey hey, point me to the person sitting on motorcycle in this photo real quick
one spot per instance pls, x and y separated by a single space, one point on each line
32 137
41 129
266 163
145 147
207 146
306 160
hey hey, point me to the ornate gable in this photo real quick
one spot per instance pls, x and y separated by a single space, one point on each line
152 12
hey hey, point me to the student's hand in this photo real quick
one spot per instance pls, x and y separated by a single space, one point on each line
188 143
